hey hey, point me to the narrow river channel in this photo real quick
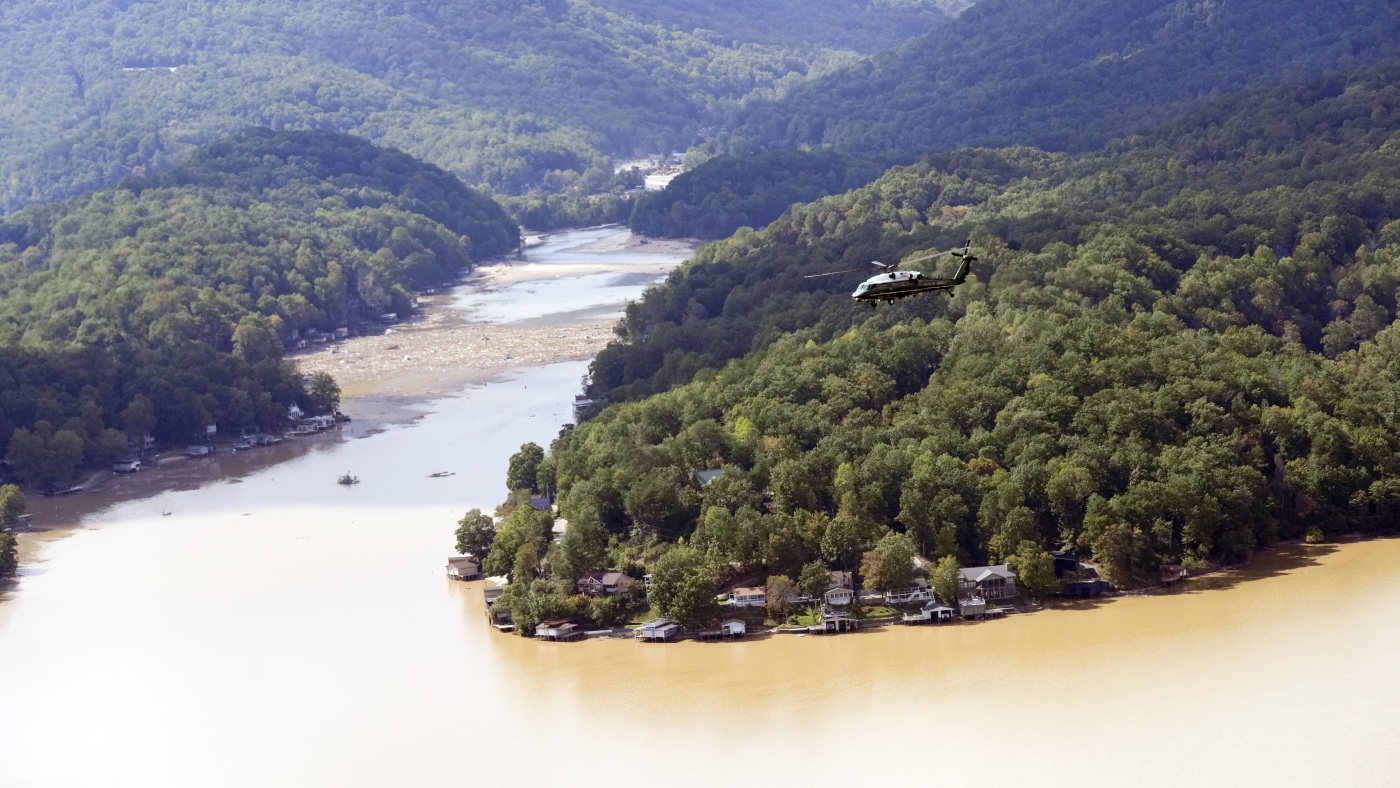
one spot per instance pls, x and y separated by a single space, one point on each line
273 628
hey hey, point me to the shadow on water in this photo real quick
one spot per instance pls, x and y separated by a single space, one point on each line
1264 564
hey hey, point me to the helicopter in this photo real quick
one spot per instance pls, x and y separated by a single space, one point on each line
891 284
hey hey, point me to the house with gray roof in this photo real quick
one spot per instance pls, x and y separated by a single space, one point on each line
988 582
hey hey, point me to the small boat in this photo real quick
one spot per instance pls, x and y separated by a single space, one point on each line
348 479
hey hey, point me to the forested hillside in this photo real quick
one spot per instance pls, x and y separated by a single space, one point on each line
181 288
866 27
1175 350
728 192
512 95
1067 75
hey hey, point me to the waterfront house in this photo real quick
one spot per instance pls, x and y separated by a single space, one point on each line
834 621
599 583
1066 562
932 611
919 592
1173 574
197 450
972 607
581 406
128 465
492 592
658 629
733 628
463 568
558 629
748 597
1083 584
839 597
988 582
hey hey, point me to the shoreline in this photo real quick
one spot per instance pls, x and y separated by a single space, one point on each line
386 380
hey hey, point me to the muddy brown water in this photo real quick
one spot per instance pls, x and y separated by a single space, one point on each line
287 631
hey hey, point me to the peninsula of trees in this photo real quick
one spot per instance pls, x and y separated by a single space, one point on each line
163 304
1175 351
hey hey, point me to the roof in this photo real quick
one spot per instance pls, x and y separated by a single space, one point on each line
748 592
610 578
841 579
705 477
729 621
657 623
556 623
935 606
541 502
976 574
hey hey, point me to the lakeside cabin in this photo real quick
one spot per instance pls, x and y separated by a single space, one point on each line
599 583
728 630
988 582
1172 574
748 597
907 596
559 629
126 466
833 621
658 630
463 567
931 612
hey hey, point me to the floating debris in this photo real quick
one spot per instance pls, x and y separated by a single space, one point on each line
441 474
348 479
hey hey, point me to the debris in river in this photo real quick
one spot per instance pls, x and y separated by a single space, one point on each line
441 474
348 479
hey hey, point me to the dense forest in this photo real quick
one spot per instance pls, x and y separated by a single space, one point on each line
518 96
1064 76
1060 76
1176 350
725 193
163 304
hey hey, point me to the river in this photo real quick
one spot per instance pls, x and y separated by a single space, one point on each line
287 631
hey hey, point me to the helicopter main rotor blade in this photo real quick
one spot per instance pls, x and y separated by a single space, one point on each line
838 273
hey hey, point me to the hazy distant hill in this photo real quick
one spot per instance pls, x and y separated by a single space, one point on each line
1065 74
508 94
844 24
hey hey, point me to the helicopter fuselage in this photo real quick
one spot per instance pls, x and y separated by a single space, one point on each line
900 284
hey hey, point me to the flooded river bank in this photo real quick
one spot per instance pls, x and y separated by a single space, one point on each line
287 631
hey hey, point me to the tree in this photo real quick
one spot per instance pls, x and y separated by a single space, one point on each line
814 580
139 419
324 393
475 533
65 455
683 587
12 503
524 526
891 564
849 535
255 341
946 578
583 548
1035 571
781 593
29 453
9 562
524 467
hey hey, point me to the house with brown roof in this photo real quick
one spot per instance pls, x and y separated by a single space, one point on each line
748 597
558 629
463 567
601 583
